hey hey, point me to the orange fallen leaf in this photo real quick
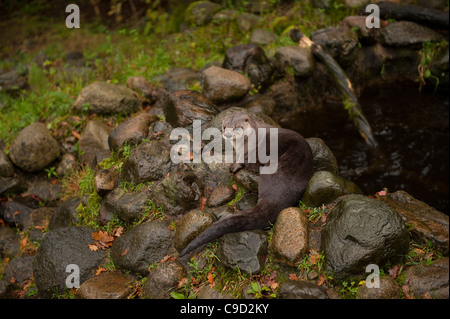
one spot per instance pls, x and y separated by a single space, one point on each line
76 134
293 277
234 187
321 280
118 231
125 252
202 203
100 269
16 213
313 256
93 247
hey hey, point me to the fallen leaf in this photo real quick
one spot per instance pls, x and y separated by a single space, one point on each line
274 286
93 247
405 289
202 203
102 239
166 258
394 271
125 252
16 213
313 256
321 280
100 270
23 243
76 134
234 187
182 282
118 232
381 193
293 277
210 277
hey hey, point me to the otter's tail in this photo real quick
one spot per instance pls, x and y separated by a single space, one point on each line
241 221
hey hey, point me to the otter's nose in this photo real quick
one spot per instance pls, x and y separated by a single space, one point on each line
228 135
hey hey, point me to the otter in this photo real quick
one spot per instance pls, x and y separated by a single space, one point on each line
276 191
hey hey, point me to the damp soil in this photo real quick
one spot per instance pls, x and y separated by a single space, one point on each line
412 129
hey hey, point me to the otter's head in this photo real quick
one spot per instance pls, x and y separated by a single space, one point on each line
235 125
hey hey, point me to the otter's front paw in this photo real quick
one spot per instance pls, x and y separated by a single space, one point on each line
235 167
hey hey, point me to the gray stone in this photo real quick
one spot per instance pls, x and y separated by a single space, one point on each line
290 235
148 162
34 148
9 242
66 165
300 59
407 34
362 231
201 12
17 212
243 250
12 81
66 214
222 85
104 98
142 246
60 248
93 139
131 206
19 269
248 21
207 292
324 187
104 181
263 37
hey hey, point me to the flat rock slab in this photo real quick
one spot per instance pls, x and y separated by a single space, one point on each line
109 285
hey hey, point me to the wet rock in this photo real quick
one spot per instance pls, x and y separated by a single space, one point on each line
6 289
299 59
66 214
361 231
290 235
220 212
429 281
108 205
357 22
260 103
142 246
183 107
45 190
148 162
247 201
19 269
178 193
222 85
133 131
104 181
16 212
323 157
407 34
131 206
301 290
179 79
250 59
324 187
225 15
104 98
190 226
162 279
94 139
11 185
60 248
206 292
67 164
6 167
142 86
34 148
12 81
428 224
389 289
9 242
248 21
108 285
243 250
220 196
201 12
262 37
39 218
341 43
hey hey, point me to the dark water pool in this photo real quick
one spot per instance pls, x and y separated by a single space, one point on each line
412 129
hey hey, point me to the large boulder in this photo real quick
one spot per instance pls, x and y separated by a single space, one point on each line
428 224
222 85
60 248
105 98
162 279
407 34
299 59
142 246
109 285
34 148
190 226
362 231
94 140
201 12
